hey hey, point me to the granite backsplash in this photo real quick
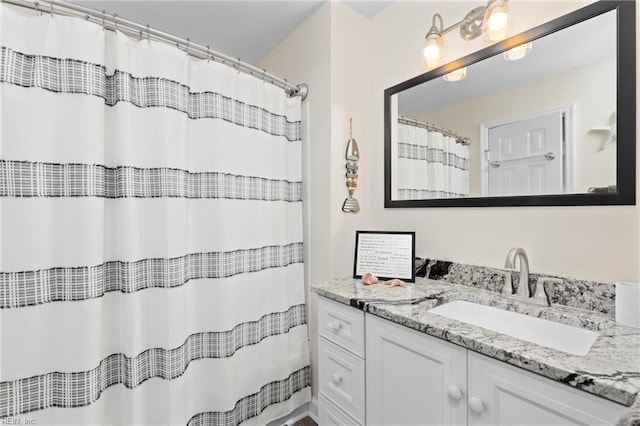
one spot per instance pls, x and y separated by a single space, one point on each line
583 294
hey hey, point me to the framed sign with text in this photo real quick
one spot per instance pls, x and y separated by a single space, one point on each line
385 254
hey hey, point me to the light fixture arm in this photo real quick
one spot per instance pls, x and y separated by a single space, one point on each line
470 26
434 27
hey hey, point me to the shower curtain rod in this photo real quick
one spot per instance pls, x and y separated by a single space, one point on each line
429 126
114 22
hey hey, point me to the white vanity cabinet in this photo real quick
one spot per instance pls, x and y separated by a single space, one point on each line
411 378
501 394
341 368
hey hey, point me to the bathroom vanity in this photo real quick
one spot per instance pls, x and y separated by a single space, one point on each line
385 359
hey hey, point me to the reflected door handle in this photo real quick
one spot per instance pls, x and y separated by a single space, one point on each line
454 392
476 405
335 326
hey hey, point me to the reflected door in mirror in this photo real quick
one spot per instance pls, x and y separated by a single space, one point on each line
525 157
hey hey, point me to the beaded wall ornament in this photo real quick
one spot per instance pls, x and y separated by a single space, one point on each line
352 156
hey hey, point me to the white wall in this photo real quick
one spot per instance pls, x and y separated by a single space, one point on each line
348 61
600 243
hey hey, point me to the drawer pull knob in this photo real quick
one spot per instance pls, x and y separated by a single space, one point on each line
335 326
337 379
455 392
476 405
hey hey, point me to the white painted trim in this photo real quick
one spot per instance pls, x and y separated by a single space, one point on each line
313 409
568 147
394 147
570 156
484 160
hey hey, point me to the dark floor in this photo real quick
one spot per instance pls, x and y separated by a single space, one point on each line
305 422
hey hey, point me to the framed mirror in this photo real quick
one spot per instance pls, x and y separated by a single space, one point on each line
544 118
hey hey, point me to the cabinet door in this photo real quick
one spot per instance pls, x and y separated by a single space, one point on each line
412 378
501 394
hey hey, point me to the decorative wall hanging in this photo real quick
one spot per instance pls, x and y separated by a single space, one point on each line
352 156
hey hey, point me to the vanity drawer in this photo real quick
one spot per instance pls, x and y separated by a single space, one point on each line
341 379
342 325
330 414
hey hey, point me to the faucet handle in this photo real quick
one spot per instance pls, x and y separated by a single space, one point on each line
507 288
541 296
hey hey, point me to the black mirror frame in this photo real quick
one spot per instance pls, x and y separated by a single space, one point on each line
626 114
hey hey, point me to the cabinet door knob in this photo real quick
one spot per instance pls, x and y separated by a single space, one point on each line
454 392
476 405
337 379
336 326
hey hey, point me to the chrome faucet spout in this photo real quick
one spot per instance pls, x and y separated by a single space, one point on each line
510 263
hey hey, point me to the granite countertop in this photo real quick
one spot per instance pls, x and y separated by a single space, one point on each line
611 369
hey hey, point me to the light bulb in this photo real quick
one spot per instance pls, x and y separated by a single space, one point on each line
496 21
518 52
432 51
456 75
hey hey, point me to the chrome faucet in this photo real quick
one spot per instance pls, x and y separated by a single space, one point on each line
523 293
523 287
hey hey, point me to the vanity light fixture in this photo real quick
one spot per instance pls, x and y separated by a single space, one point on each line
518 52
492 20
433 44
456 75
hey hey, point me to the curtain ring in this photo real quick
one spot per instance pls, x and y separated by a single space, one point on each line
140 35
238 66
37 4
264 74
208 53
51 7
148 34
104 14
115 20
186 49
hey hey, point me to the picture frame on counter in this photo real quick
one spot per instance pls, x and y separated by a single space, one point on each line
385 254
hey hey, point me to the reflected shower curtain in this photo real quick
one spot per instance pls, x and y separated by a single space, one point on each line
150 233
430 165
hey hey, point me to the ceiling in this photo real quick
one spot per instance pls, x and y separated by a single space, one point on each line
245 29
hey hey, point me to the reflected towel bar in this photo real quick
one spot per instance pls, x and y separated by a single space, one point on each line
547 156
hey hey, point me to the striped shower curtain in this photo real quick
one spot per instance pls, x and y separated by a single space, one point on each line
430 164
150 234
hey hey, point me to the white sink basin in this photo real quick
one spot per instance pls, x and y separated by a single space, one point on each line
562 337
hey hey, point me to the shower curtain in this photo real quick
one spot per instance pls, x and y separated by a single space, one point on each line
150 233
430 165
